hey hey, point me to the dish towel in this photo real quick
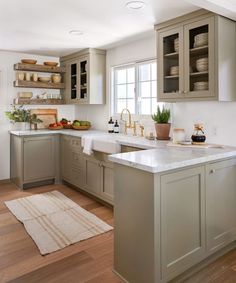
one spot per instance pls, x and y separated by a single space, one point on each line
87 142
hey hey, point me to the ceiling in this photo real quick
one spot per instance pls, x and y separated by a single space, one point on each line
42 27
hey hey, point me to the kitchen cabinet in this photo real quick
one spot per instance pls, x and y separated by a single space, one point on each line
34 160
92 174
186 216
72 161
220 203
193 61
182 220
85 77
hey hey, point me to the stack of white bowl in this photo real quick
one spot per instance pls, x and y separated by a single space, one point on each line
174 70
202 64
201 39
198 86
176 45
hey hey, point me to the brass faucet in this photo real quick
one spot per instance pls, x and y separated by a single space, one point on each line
129 124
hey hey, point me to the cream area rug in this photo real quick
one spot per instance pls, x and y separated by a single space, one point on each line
54 221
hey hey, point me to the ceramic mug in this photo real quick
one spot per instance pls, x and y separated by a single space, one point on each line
27 76
35 77
21 76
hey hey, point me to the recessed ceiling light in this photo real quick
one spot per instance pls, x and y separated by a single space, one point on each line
135 5
76 32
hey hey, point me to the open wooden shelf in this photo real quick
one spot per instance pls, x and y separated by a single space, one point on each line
31 84
32 101
38 68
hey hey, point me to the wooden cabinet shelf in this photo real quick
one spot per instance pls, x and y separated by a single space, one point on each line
53 101
196 74
172 77
38 68
172 55
30 84
199 50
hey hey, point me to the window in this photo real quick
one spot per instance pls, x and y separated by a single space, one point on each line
135 88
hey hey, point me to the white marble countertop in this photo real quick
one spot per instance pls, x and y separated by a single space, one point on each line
169 158
157 157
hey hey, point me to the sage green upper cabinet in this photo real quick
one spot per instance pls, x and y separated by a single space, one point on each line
85 77
194 63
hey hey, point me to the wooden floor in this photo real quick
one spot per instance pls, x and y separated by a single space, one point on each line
89 261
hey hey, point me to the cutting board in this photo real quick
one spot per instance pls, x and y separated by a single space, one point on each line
204 145
48 116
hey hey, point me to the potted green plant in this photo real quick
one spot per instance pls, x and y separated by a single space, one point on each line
162 125
21 118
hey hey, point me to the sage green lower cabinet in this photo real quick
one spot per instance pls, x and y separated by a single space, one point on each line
167 223
182 220
34 159
93 174
221 203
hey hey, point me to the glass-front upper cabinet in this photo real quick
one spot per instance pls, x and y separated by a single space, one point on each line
199 58
170 63
83 79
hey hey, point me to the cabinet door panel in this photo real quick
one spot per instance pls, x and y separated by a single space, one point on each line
196 71
182 220
93 173
66 158
221 203
108 182
170 56
39 162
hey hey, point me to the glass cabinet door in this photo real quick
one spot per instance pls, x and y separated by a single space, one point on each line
199 59
170 64
73 80
83 79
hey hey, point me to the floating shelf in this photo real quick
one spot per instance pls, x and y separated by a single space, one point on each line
195 74
23 101
172 77
30 84
38 68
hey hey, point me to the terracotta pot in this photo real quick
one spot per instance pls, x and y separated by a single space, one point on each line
163 131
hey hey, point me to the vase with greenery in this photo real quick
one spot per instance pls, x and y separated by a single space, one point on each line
21 118
162 125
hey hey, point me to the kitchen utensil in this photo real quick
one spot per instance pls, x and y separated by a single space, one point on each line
44 79
174 70
25 94
29 61
48 116
56 78
21 76
51 64
35 77
28 77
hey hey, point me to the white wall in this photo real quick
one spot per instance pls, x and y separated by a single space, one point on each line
219 119
8 93
128 53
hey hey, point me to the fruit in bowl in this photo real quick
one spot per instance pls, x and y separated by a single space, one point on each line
81 125
55 126
66 123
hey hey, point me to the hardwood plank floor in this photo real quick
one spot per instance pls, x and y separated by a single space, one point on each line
90 261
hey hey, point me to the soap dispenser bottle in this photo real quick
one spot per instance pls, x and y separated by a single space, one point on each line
116 128
110 126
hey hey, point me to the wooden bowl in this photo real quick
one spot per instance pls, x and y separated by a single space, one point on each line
56 128
29 61
81 128
51 64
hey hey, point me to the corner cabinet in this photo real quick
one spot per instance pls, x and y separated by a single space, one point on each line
85 77
194 63
34 160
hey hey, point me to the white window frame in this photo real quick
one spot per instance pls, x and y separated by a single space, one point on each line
113 110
